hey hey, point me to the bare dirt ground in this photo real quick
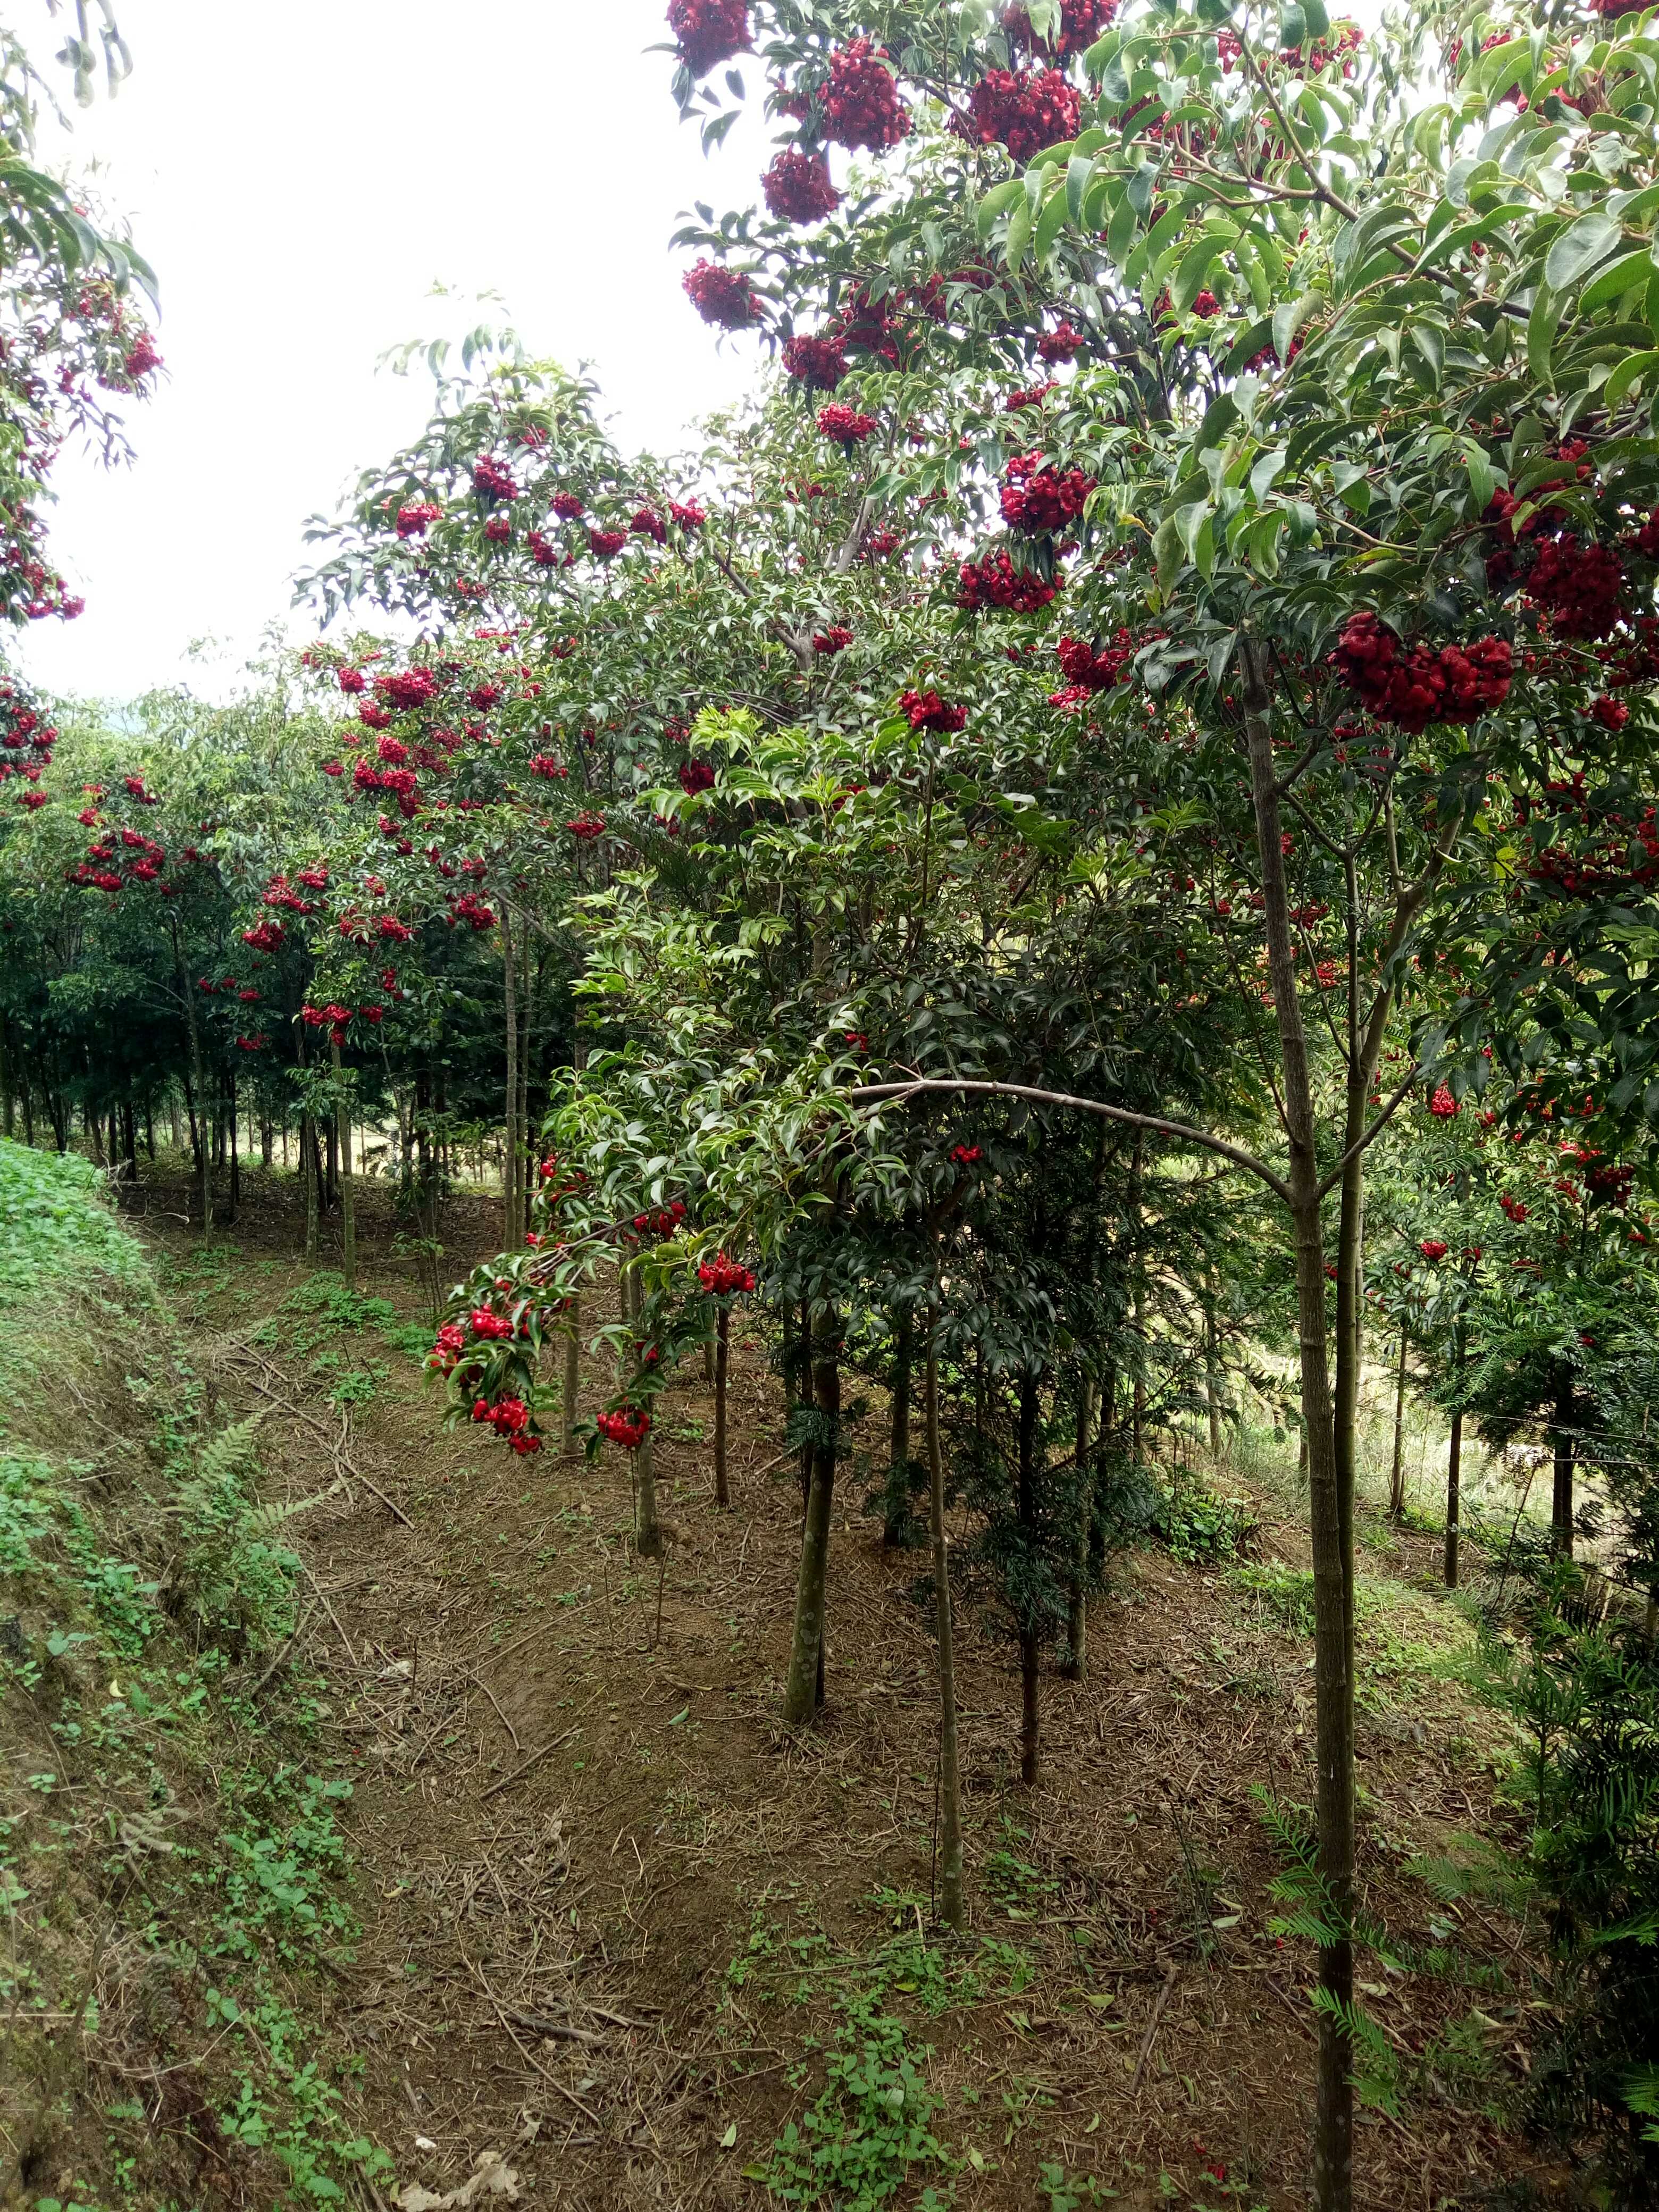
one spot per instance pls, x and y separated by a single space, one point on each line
611 1907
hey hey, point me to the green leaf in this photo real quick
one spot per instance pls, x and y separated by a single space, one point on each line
1166 551
997 202
1266 470
1196 265
1019 231
1626 274
679 1716
1288 319
1050 224
1639 366
1078 171
1120 231
1542 327
1579 247
1482 482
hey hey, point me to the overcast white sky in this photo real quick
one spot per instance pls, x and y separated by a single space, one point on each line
299 176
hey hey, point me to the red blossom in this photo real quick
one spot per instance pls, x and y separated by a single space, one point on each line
994 580
1025 111
798 187
606 544
846 423
709 32
834 640
926 710
819 363
722 296
1039 498
415 521
861 105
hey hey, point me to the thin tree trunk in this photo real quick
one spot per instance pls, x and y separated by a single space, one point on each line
348 1194
898 1493
1029 1645
198 1102
571 1383
310 1174
648 1531
722 1349
950 1903
8 1116
1077 1632
1454 1473
1332 2161
804 1690
1212 1374
1561 1442
512 1232
1397 1472
527 1008
236 1164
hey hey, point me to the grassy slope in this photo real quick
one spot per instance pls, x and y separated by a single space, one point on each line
170 1867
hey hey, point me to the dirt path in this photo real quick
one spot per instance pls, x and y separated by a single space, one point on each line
614 1915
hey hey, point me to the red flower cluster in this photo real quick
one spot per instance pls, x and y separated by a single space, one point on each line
798 187
331 1017
415 521
686 514
861 105
1444 1106
818 363
1079 664
471 909
509 1418
724 1279
1418 685
1033 396
499 530
629 1427
450 1344
1580 587
1432 1248
835 639
926 710
709 32
647 523
838 421
407 689
493 480
143 358
1062 344
664 1222
1038 497
965 1155
1513 1207
586 826
696 775
567 505
722 296
1025 112
993 580
606 544
546 764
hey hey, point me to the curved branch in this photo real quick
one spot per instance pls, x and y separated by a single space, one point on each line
1184 1130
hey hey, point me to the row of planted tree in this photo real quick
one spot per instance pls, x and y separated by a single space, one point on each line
1099 833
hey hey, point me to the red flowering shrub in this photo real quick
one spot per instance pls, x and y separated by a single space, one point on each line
1033 396
798 187
1513 1207
1024 112
1061 344
416 520
696 775
722 296
926 710
846 423
879 544
493 480
993 580
499 530
861 105
586 826
143 358
629 1427
965 1155
709 32
606 544
407 689
1432 1248
545 764
567 505
1580 587
352 681
647 523
724 1279
1081 665
1444 1106
1611 714
1417 686
1039 498
818 363
686 514
835 639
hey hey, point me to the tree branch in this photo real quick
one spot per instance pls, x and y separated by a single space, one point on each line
915 1085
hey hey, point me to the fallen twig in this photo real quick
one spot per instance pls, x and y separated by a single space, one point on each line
1151 2036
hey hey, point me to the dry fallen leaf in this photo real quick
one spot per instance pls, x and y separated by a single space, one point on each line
493 2177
